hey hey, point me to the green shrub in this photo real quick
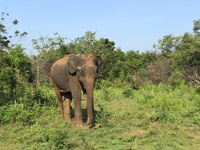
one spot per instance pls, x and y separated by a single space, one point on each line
102 115
108 93
15 113
45 95
127 92
168 104
59 139
197 90
25 114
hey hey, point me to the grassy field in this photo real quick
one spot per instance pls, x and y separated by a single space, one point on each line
153 117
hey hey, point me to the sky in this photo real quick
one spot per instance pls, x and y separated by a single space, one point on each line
131 24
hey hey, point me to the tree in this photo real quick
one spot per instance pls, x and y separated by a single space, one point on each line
14 65
168 44
4 41
183 53
49 50
15 72
5 38
106 49
196 26
187 58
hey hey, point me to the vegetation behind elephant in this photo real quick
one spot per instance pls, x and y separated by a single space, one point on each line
71 75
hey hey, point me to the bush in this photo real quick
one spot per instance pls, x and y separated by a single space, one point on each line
58 140
159 71
102 115
168 104
45 95
15 113
127 92
25 114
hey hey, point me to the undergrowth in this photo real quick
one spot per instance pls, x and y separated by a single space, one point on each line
153 117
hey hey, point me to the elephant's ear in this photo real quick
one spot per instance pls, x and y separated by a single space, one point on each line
99 63
72 63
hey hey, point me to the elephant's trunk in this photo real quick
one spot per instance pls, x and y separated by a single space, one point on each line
89 85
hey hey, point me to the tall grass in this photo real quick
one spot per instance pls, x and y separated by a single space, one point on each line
170 105
153 117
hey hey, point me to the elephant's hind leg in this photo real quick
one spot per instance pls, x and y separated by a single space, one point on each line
59 99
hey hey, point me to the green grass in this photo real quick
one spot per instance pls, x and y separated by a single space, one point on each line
153 117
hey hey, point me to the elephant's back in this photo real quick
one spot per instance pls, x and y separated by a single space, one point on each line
59 66
59 74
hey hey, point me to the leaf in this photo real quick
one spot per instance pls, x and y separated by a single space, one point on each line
16 33
15 22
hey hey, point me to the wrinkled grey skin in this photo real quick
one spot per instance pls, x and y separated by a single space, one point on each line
71 75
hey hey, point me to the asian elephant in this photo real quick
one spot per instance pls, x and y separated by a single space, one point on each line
71 75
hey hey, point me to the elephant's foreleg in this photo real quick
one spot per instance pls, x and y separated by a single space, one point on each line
76 94
89 85
86 99
68 100
77 110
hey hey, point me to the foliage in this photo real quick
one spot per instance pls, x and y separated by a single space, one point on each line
170 105
159 71
196 26
15 70
102 115
147 100
14 113
15 74
154 117
183 53
49 50
187 58
5 38
44 95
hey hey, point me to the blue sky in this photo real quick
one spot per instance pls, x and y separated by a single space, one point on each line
131 24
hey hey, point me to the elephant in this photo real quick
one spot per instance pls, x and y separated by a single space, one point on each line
70 75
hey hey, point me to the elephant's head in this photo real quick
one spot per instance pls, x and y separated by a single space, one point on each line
85 67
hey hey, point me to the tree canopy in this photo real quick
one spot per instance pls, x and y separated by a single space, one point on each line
173 59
